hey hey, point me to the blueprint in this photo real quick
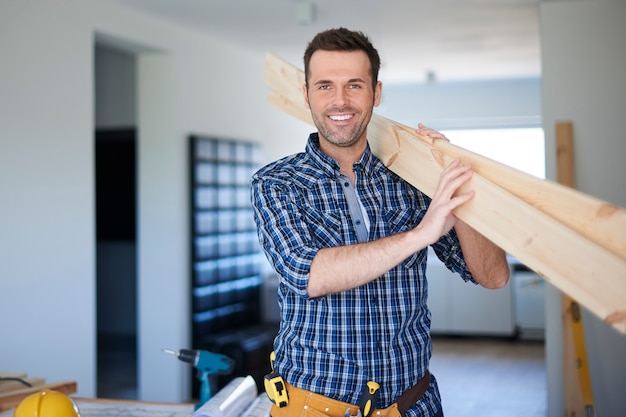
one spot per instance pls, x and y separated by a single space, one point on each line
131 409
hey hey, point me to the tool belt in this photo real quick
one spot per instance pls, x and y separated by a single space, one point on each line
305 403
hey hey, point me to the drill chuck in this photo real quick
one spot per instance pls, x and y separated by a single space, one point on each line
188 355
185 355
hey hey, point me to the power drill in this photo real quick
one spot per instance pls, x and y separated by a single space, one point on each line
207 363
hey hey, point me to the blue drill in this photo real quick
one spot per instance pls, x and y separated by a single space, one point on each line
207 363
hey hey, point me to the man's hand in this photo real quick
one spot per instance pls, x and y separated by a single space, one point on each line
486 261
344 267
431 133
439 218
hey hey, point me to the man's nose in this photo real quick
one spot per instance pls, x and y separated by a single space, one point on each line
340 97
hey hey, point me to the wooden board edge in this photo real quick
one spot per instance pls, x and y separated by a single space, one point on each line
11 386
567 279
591 217
12 399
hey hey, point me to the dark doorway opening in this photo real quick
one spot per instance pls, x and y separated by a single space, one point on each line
116 238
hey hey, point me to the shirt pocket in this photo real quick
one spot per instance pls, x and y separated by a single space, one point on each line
400 220
326 228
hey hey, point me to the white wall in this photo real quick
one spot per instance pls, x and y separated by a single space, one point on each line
187 84
507 103
584 81
47 311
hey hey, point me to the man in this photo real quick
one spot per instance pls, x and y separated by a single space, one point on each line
348 239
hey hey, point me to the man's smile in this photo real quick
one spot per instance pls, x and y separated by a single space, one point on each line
340 117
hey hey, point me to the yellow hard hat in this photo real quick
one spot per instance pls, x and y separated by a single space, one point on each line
47 403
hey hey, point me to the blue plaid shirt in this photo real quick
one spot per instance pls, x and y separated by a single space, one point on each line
333 345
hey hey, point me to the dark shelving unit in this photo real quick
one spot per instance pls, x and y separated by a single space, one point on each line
226 276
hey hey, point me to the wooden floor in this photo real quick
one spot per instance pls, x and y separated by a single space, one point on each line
490 377
487 377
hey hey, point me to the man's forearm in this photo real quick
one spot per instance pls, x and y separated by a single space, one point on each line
486 261
345 267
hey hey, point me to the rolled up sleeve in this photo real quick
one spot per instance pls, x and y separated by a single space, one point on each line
283 232
448 250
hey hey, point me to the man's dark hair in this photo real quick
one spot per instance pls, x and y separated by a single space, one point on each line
343 40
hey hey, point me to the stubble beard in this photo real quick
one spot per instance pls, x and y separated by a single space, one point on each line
342 136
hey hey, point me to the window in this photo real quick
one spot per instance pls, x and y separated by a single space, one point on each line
522 148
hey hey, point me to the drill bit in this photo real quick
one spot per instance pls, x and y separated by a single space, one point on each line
170 351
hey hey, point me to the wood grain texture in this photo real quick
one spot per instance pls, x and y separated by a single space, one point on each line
11 399
8 386
597 220
573 240
577 390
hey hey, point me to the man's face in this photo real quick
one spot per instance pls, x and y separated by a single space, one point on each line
340 95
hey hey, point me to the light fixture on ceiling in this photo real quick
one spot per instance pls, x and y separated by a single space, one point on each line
305 12
431 77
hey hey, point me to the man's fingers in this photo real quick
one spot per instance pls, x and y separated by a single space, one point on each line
431 133
461 199
457 200
453 176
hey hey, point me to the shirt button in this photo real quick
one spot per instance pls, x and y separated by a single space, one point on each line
346 184
358 222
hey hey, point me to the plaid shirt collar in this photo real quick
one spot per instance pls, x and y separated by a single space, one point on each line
330 167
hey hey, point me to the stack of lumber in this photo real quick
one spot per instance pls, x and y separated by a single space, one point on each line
575 241
12 391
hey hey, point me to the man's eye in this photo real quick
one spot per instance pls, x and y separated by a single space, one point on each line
355 86
324 87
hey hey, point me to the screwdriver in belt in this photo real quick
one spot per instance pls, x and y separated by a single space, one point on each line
369 398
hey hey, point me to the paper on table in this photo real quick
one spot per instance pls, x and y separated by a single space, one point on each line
230 401
260 407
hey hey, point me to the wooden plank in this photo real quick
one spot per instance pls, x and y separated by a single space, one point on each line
514 220
571 382
595 219
565 173
10 385
11 399
543 244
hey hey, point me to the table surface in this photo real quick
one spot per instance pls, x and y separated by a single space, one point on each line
99 407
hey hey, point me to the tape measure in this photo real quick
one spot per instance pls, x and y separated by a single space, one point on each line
369 398
275 389
275 386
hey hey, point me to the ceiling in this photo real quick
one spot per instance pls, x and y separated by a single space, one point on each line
418 40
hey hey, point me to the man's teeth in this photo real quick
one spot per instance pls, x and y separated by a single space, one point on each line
339 118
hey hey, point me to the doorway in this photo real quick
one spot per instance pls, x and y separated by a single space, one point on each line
116 222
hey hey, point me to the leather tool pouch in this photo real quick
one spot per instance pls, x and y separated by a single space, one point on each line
292 411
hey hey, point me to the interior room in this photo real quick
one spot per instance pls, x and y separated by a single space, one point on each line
130 129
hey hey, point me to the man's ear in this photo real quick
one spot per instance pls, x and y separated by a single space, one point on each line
378 91
306 97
